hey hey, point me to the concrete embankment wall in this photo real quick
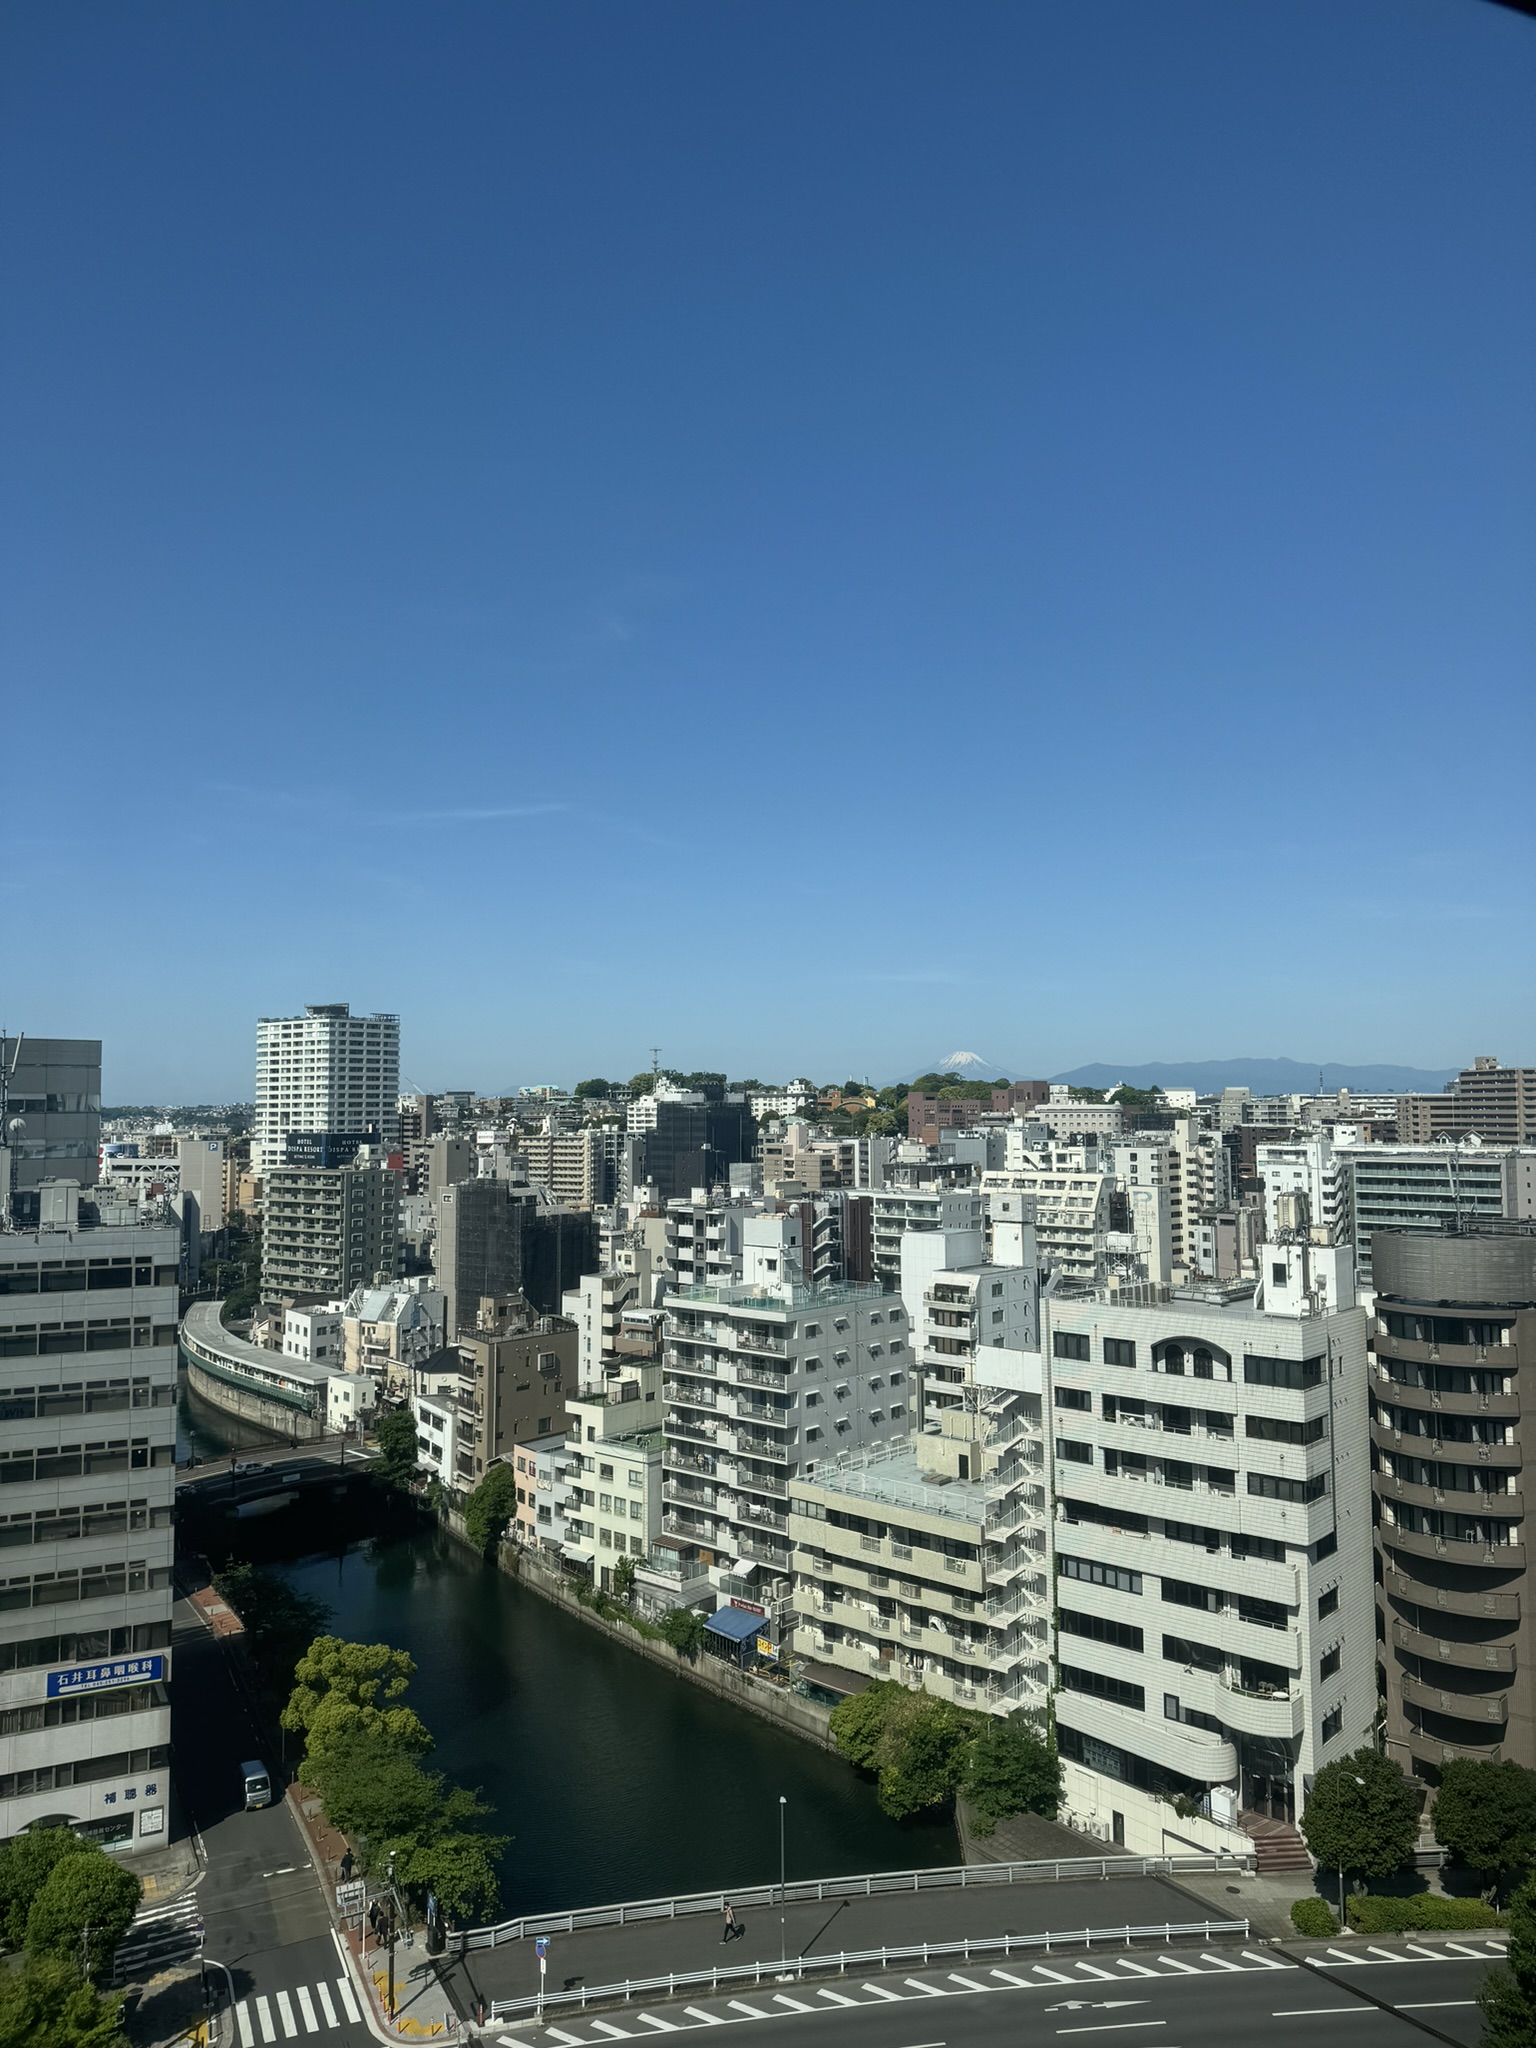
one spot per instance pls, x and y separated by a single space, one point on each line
785 1709
278 1416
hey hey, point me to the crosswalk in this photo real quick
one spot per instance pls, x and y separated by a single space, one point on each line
761 2003
158 1938
1481 1949
306 2009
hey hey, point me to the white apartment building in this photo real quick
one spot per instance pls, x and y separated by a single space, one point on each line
314 1336
1423 1187
1070 1187
1069 1122
1309 1168
580 1168
704 1240
1213 1541
896 1210
87 1459
389 1331
612 1467
351 1401
324 1071
768 1381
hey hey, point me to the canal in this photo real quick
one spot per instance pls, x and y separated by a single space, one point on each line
614 1779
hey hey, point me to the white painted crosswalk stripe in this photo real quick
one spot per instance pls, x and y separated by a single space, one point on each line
247 2031
306 2007
322 1992
264 2020
348 2002
285 2013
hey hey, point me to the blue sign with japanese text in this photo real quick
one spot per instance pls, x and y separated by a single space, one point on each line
98 1677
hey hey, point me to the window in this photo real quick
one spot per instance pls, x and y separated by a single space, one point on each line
1268 1486
1074 1453
1068 1344
1191 1532
636 1478
1093 1574
1119 1351
1327 1603
1270 1429
1277 1275
605 1472
1330 1663
1332 1723
1074 1397
1258 1547
1262 1613
1100 1629
1095 1683
1125 1519
1193 1656
1184 1593
997 1315
1291 1373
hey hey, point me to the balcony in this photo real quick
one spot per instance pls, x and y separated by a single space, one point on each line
675 1459
757 1376
1192 1752
688 1396
1460 1706
1449 1449
1263 1710
1508 1507
1471 1601
1425 1749
692 1432
1426 1402
1507 1557
1463 1656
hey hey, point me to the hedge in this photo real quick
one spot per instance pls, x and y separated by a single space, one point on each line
1373 1914
1313 1917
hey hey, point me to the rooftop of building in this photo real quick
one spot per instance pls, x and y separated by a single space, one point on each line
788 1295
899 1481
204 1324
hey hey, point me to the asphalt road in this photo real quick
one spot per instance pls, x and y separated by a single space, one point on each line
264 1915
1183 1998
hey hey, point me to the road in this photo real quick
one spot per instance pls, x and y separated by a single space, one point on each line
264 1915
325 1450
1180 1998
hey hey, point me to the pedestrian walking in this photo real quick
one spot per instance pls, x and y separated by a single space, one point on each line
731 1928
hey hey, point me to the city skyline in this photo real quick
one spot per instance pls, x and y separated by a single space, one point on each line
634 504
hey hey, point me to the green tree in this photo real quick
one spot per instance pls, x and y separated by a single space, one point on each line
641 1084
44 2004
26 1864
280 1624
683 1628
1486 1814
598 1088
1362 1816
341 1688
922 1754
858 1723
1011 1768
624 1576
394 1435
83 1911
490 1508
460 1868
1508 1996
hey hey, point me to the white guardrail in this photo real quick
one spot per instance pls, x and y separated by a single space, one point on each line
870 1885
922 1953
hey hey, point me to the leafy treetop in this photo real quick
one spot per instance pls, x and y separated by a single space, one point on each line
1486 1814
490 1508
1362 1815
1508 1996
344 1687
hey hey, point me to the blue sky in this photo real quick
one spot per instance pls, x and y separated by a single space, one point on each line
805 534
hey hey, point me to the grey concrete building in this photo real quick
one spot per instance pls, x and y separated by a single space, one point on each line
329 1229
1453 1375
87 1461
53 1109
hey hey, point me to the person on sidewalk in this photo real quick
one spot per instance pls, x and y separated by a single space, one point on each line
731 1929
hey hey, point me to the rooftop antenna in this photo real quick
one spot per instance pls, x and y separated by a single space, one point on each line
655 1062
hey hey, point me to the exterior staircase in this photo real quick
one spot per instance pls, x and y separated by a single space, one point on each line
1278 1848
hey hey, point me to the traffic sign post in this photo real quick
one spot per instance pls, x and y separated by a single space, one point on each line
541 1948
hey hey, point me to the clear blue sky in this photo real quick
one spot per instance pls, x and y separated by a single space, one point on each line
805 534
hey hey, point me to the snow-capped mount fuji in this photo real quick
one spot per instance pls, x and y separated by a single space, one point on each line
960 1066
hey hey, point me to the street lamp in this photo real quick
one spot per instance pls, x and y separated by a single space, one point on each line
783 1937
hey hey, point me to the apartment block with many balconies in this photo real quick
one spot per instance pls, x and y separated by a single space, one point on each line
1453 1377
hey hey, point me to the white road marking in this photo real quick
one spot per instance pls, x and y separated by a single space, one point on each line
1112 2027
1055 1976
838 1997
306 2007
1174 1963
507 2041
1221 1962
751 2011
285 2013
1265 1962
1462 1949
1141 1970
969 1982
323 1993
1022 1983
348 2002
917 1984
664 2026
247 2034
607 2027
264 2016
1434 2004
1343 1955
567 2040
1307 2012
705 2019
794 2004
1093 1970
880 1991
1387 1955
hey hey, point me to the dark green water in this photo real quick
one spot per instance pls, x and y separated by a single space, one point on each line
615 1779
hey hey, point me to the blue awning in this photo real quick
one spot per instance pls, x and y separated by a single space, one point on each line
734 1623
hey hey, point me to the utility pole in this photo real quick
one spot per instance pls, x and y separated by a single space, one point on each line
391 1937
783 1937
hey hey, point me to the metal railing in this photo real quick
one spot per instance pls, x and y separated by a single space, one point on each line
868 1884
921 1953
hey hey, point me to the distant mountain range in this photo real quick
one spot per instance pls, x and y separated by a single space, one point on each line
1264 1077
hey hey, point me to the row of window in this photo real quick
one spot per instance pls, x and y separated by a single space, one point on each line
57 1340
1129 1521
80 1646
84 1397
86 1582
90 1770
78 1461
81 1276
1185 1593
913 1539
92 1706
1414 1329
1178 1473
61 1525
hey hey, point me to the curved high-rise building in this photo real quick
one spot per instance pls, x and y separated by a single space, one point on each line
1453 1376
